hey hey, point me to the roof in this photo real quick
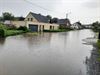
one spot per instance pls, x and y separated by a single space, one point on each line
7 22
78 23
40 17
62 21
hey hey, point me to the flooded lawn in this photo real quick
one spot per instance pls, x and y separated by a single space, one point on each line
45 54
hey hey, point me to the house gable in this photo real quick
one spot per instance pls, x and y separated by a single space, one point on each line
65 22
37 17
30 17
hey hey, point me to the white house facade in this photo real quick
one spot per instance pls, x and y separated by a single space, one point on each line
36 22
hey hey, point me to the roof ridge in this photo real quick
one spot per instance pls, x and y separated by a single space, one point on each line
40 17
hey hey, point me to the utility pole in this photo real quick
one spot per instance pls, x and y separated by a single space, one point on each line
67 14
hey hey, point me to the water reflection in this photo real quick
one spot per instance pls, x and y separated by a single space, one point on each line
38 41
45 54
2 41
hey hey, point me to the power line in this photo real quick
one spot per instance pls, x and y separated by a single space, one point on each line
38 6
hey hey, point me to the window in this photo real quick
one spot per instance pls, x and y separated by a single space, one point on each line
28 19
50 27
31 19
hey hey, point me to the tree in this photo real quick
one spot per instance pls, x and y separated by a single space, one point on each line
20 18
7 16
49 17
24 28
3 29
54 20
96 25
1 19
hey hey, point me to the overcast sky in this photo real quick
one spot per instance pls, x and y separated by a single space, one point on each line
85 11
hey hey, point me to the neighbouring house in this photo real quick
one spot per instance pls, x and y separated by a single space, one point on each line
36 22
64 23
76 25
87 26
7 22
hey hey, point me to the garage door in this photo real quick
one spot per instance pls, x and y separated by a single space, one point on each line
33 28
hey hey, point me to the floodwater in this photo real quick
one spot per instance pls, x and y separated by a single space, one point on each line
45 54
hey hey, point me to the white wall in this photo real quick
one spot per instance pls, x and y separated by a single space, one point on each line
40 25
30 16
18 23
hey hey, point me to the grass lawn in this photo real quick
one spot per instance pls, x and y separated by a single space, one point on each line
8 31
13 32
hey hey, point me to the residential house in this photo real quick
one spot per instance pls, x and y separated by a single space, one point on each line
76 25
87 26
7 22
36 22
65 23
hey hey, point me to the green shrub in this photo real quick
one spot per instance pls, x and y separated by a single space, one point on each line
3 26
24 28
13 32
3 29
2 32
12 27
98 44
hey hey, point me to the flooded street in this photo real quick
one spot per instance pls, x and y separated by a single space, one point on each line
45 54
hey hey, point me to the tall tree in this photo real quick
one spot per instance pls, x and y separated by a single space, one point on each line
49 17
96 25
1 19
54 20
7 16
